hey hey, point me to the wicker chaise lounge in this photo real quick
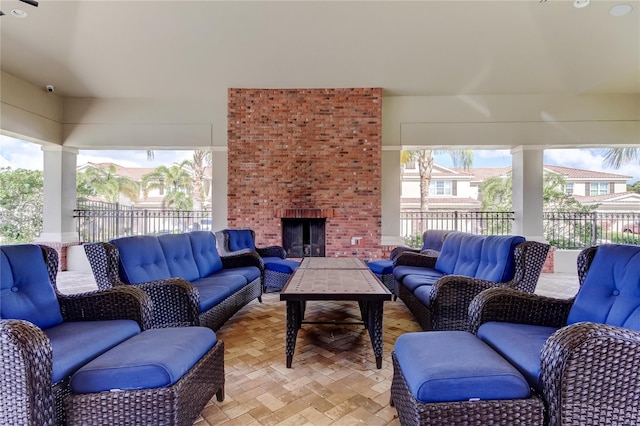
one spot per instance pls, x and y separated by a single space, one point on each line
581 355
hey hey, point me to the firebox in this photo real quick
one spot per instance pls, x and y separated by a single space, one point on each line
303 237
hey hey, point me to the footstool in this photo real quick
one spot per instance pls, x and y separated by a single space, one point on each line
383 269
452 377
158 377
277 272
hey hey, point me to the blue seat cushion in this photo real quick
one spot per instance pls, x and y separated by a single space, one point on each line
152 359
276 264
240 239
250 273
179 256
203 245
212 294
26 292
610 293
520 344
141 259
381 266
445 366
412 282
423 294
399 272
76 343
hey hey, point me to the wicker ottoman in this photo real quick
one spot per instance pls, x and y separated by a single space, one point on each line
277 272
135 382
455 378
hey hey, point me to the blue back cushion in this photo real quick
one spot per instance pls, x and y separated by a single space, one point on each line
496 260
611 290
141 259
450 251
433 239
469 257
179 256
240 239
25 290
203 245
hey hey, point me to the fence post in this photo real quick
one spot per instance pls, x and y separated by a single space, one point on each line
594 230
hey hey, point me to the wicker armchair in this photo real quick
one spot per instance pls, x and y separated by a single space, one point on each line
450 295
28 394
587 370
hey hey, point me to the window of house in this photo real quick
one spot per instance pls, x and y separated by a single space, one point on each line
440 187
568 189
599 188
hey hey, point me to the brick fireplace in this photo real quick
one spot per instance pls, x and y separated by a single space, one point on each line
307 154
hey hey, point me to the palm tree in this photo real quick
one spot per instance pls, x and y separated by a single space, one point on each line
198 166
616 157
174 179
424 158
108 185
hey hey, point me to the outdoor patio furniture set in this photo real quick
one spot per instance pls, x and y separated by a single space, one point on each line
506 356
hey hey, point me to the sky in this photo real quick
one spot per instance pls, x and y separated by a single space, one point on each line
18 154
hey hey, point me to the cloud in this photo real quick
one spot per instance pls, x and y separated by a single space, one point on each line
18 154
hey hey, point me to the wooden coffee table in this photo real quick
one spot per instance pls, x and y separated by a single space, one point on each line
327 278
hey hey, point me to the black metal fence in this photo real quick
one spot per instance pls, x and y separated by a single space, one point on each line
564 230
99 221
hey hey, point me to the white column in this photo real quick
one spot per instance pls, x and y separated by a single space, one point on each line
59 195
527 163
219 177
391 191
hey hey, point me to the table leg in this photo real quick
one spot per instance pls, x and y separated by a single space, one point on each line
363 312
294 321
374 320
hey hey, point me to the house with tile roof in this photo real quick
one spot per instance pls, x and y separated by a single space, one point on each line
458 189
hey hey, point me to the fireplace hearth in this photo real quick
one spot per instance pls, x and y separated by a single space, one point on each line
304 237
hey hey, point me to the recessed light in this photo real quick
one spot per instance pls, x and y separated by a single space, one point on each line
581 3
620 10
19 13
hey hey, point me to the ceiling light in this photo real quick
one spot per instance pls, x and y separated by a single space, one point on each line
581 3
19 13
620 10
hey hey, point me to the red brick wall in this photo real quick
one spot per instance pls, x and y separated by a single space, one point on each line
307 149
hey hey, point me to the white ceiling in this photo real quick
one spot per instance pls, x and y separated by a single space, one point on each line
198 49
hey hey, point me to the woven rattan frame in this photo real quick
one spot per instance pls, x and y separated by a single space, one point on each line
27 395
508 412
589 370
176 300
275 280
179 404
451 295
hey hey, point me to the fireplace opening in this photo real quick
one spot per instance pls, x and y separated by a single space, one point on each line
303 237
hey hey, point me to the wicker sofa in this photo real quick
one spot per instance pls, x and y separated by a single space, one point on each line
581 354
439 289
188 282
46 336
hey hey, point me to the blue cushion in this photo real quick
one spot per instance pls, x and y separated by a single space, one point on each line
141 259
610 293
520 344
399 272
448 257
469 257
152 359
381 266
179 256
497 260
26 292
203 245
423 294
210 294
276 264
444 366
240 239
76 343
250 273
412 282
433 239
